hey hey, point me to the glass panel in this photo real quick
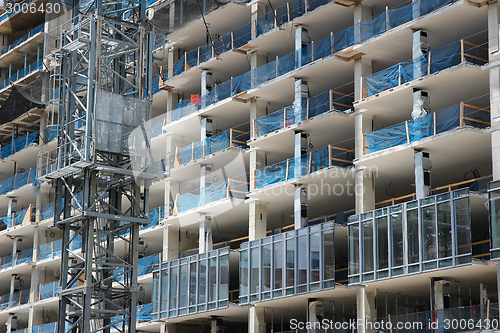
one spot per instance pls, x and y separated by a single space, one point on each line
462 219
155 297
397 239
278 265
444 230
302 258
213 280
183 283
412 229
202 283
315 243
368 246
224 277
266 267
428 232
328 255
382 243
164 290
254 270
290 262
244 272
192 284
173 287
354 249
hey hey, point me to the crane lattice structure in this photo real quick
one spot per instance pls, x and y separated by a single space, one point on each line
100 65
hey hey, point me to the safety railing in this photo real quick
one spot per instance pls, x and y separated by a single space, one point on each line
307 163
50 250
226 189
23 39
456 116
211 145
155 216
20 217
18 144
312 107
454 54
46 328
37 65
48 290
19 180
17 259
17 298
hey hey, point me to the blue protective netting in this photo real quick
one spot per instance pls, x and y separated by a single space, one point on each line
442 58
46 328
446 119
187 201
49 290
183 109
19 216
50 250
145 265
214 192
155 216
76 244
19 180
50 133
144 312
17 298
24 256
18 144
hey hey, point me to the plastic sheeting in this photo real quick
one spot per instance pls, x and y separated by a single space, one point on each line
145 265
155 216
18 144
214 192
144 312
18 298
19 180
49 290
46 328
19 216
50 250
183 109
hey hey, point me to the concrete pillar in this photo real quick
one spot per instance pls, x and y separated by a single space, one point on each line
364 190
421 105
13 278
494 29
256 319
301 40
12 207
257 59
361 13
205 235
300 149
171 243
316 310
300 212
422 174
420 48
493 43
207 83
168 328
172 58
16 247
215 324
205 170
257 220
363 123
258 9
367 313
257 161
206 128
300 101
362 68
11 323
439 290
167 198
483 298
257 109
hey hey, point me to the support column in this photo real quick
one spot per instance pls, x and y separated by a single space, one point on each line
421 105
494 40
300 206
207 83
439 291
362 12
206 128
257 161
300 149
257 109
316 310
483 298
256 319
367 313
205 170
171 243
301 40
420 48
257 220
12 207
257 59
172 58
422 174
258 9
300 101
168 328
215 324
205 235
11 323
364 190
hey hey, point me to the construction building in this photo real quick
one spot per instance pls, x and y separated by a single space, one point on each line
256 166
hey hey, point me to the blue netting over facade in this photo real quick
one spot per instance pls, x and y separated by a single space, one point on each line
50 250
144 312
423 127
19 216
145 265
49 290
155 216
50 133
16 299
183 109
18 144
46 328
304 164
19 180
440 59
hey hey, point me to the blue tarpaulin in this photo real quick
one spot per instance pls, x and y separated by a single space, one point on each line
18 144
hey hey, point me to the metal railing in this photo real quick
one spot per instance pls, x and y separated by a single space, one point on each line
24 38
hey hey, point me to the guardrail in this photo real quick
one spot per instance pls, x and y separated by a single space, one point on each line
24 38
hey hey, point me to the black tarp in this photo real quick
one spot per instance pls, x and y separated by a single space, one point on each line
16 104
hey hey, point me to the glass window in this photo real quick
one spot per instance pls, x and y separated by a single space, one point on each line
213 280
382 245
314 255
244 272
164 290
183 283
397 239
224 277
266 267
154 296
290 262
254 270
192 284
368 246
412 237
278 265
173 287
302 257
328 255
354 249
428 232
462 216
202 283
444 230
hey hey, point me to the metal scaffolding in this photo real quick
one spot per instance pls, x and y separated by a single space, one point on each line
100 88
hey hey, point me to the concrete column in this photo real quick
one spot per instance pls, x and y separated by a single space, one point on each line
257 109
256 319
207 83
172 58
171 243
13 278
421 105
204 171
493 42
301 40
168 328
316 310
257 220
205 235
364 190
258 9
257 161
422 174
257 59
16 247
420 48
206 128
363 123
300 149
483 298
11 323
361 13
215 324
362 68
439 289
167 198
12 207
367 313
300 101
494 29
300 212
